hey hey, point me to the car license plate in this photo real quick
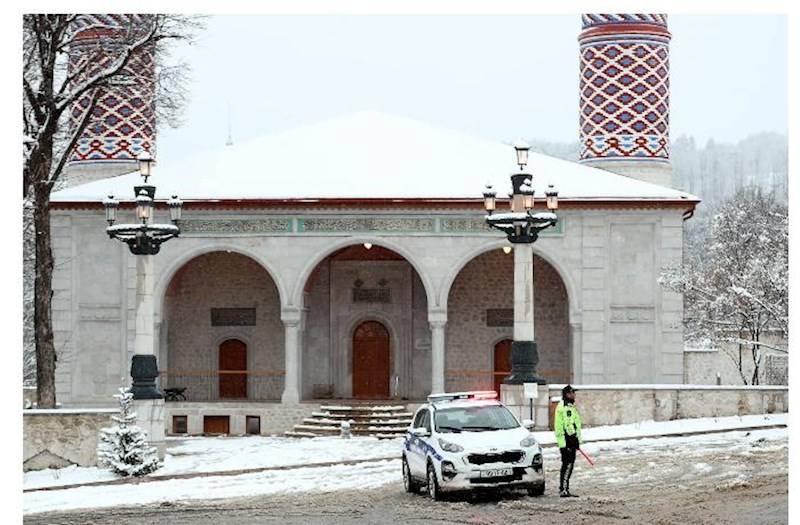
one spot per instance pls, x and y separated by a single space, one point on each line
496 472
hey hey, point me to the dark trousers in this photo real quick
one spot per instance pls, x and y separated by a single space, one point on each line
567 464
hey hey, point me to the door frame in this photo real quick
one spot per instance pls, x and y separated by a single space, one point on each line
248 362
351 350
494 358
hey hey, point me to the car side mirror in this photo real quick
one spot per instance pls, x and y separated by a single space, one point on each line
527 423
420 432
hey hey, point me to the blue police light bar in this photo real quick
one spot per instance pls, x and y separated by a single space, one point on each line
476 394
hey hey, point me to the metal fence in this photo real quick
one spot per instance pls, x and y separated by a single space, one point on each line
222 385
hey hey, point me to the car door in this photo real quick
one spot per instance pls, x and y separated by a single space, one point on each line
425 443
415 450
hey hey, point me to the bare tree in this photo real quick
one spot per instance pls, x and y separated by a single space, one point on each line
736 286
51 86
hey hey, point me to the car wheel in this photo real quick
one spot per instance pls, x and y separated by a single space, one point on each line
409 483
536 490
433 485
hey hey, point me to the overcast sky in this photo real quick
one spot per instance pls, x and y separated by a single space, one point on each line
497 77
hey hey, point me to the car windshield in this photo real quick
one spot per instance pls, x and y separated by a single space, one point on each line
474 419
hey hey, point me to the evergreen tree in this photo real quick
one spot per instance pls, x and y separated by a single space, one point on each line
123 448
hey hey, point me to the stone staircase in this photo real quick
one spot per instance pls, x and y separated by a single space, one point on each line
368 419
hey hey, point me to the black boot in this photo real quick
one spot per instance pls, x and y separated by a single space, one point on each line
566 493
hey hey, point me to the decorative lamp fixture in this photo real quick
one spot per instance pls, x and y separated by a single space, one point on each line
145 164
526 189
507 249
552 198
489 199
142 237
368 245
175 208
144 206
522 148
111 205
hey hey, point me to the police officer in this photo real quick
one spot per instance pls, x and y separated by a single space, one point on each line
568 436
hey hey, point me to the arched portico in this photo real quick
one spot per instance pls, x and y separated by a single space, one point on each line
338 244
210 300
478 295
346 285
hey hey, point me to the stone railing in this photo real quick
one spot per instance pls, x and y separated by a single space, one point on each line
621 404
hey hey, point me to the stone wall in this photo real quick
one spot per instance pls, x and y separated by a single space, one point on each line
58 438
702 366
276 418
222 280
621 404
485 283
622 327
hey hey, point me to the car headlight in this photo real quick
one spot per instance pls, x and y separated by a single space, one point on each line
450 447
529 441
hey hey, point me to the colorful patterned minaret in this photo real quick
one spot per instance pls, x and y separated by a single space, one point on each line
624 85
123 122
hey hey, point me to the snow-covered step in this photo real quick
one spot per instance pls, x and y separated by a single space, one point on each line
384 421
348 415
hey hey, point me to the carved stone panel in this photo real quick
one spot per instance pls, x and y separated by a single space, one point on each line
233 317
632 264
632 314
270 225
365 224
500 317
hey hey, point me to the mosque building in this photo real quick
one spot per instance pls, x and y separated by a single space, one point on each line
350 258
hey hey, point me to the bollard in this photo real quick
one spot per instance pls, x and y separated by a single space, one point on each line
344 430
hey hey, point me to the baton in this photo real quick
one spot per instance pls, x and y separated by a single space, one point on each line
587 457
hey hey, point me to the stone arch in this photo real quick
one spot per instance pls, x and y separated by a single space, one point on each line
250 303
394 294
179 262
308 269
544 253
480 289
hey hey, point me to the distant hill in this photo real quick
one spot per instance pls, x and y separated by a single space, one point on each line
715 171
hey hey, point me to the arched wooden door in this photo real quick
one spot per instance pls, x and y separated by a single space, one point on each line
233 357
502 362
371 361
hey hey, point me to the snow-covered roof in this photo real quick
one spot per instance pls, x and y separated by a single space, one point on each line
366 155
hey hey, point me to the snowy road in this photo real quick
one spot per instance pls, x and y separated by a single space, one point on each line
727 478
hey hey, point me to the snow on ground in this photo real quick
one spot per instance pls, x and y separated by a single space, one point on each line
658 428
666 453
321 479
215 454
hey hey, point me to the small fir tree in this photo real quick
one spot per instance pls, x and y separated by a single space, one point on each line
123 448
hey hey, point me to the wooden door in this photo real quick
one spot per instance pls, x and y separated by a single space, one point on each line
233 357
502 362
216 425
371 361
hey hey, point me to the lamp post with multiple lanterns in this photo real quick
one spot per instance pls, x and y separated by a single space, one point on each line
144 238
522 226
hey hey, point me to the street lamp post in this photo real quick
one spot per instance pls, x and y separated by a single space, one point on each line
144 239
522 226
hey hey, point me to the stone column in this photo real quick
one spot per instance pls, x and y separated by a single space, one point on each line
147 400
523 292
291 382
437 320
524 355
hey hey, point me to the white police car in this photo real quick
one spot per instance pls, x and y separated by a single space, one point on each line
469 440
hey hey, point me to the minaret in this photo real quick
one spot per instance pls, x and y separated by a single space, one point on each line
123 122
624 86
